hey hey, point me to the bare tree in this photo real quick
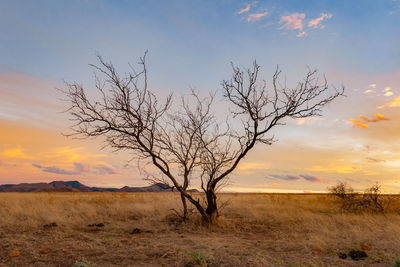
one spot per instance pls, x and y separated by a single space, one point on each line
190 141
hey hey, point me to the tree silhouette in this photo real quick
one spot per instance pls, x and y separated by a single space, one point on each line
188 141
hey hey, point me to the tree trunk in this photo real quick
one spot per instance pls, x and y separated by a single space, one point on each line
212 208
210 214
185 209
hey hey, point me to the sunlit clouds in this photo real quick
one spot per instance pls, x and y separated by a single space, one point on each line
15 153
389 93
314 23
301 34
395 102
251 17
363 121
256 16
244 10
293 21
337 168
288 22
295 177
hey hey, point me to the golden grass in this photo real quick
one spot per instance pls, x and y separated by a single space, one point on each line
255 230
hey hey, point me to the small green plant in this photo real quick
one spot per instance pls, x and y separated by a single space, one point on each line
396 262
198 258
84 263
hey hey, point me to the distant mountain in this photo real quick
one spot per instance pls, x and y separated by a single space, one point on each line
75 186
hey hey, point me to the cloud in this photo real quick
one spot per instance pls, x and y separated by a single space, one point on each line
388 89
388 93
362 122
308 121
268 185
285 177
15 153
293 21
245 166
378 117
103 169
372 85
317 22
256 16
302 34
311 178
293 177
338 168
53 169
395 102
79 167
244 10
358 124
368 91
375 160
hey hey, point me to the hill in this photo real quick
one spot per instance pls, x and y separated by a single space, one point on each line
75 186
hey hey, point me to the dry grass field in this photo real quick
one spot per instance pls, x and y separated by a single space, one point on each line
141 230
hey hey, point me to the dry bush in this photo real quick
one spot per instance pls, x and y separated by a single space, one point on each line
371 200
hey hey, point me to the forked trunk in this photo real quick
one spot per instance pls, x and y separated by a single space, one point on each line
212 208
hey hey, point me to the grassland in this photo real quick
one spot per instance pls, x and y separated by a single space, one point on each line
254 230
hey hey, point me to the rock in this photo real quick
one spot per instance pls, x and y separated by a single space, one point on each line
342 255
317 250
136 231
50 225
365 247
15 253
96 225
95 228
357 254
44 251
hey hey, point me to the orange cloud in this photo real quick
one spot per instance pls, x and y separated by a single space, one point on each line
358 124
245 166
293 21
347 168
315 22
244 10
256 16
362 123
388 93
15 153
308 121
368 91
267 185
302 34
379 117
395 102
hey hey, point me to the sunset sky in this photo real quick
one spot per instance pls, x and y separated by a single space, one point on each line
191 44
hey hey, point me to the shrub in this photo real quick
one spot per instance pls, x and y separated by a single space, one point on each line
368 201
396 262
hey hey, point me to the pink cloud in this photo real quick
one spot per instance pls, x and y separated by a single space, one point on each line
244 10
302 34
315 22
256 16
293 21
